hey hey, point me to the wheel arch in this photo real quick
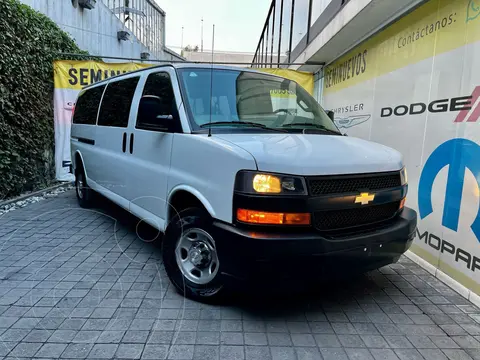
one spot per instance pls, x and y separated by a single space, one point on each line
183 196
78 160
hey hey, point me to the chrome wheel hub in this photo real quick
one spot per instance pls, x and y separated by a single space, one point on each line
196 256
80 186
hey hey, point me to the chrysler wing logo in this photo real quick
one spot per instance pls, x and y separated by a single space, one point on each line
364 198
460 155
473 10
352 120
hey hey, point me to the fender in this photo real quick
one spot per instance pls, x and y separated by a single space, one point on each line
194 192
83 163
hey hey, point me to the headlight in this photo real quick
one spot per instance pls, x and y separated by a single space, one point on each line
253 182
403 176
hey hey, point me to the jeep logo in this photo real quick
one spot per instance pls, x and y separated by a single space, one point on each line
436 106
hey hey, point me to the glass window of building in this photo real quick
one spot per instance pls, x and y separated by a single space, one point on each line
300 21
318 6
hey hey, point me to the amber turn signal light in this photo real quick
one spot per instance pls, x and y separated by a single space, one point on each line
271 218
402 204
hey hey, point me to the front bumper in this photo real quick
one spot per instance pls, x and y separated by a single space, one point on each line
245 254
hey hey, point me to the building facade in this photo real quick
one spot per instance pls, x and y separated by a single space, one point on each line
403 73
113 28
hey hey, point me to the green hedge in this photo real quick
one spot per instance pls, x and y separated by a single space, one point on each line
29 42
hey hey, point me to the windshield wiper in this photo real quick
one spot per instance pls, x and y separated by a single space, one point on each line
246 123
316 126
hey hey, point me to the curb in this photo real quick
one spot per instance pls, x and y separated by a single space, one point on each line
35 193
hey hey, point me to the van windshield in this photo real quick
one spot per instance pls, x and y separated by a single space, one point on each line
242 99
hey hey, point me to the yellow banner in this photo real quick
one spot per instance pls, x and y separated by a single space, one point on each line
304 79
78 74
434 28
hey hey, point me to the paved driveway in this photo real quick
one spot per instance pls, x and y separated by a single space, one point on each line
78 284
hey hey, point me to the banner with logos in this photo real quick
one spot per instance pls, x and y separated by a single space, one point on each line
71 76
415 87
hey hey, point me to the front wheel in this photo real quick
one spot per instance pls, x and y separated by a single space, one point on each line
83 191
190 256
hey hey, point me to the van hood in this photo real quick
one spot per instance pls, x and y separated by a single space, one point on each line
310 154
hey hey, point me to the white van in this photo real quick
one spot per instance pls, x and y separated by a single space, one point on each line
243 171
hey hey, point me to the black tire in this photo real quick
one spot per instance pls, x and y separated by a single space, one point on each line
192 218
83 191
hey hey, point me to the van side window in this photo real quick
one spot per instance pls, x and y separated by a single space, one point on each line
158 99
86 108
116 103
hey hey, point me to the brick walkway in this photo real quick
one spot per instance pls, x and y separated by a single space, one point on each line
78 284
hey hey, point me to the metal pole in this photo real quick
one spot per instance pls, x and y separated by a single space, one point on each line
201 45
280 33
181 61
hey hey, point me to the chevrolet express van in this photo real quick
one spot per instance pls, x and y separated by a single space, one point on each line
243 172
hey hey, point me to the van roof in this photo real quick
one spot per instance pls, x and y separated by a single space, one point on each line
182 65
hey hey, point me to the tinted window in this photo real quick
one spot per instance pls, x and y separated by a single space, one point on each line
157 99
116 103
86 108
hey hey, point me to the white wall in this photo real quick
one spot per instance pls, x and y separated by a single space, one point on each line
93 30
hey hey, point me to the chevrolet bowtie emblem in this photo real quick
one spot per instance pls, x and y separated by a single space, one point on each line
364 198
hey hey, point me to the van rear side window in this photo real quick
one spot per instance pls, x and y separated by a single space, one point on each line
86 109
116 103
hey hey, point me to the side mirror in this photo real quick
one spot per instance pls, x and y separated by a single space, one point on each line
152 114
331 114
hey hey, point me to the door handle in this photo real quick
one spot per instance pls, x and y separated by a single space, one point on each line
131 143
124 143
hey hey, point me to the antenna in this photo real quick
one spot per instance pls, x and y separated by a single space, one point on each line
201 45
211 82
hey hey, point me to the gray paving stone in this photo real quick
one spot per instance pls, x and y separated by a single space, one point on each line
135 336
103 351
334 354
374 341
358 354
457 354
383 354
51 350
129 351
282 353
232 352
181 352
307 353
202 352
208 338
432 354
25 349
233 338
111 336
155 352
62 336
408 354
257 353
77 351
400 342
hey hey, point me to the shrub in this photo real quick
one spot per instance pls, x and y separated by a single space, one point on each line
29 42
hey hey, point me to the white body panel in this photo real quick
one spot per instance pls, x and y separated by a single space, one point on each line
162 163
316 154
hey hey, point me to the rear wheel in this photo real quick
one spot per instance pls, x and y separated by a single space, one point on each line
190 256
83 191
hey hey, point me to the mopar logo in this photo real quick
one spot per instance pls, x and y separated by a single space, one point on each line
459 155
349 121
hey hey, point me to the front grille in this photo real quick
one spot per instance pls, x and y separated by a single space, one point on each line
352 184
341 219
